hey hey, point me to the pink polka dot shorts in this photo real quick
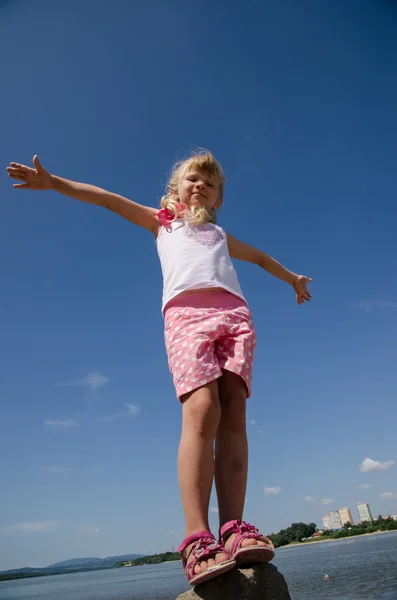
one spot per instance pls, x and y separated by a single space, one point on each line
205 333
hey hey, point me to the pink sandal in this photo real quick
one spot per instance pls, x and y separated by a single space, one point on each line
246 554
205 547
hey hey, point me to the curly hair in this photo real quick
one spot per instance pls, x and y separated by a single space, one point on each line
201 160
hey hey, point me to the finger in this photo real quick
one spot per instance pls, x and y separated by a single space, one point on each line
18 165
16 172
20 185
20 168
21 177
36 162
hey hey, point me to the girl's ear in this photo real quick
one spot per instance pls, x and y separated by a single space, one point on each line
218 203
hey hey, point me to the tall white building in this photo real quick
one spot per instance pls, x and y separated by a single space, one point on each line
345 516
334 518
327 522
364 512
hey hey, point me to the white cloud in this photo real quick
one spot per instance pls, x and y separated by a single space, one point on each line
87 528
369 306
327 501
112 417
375 465
272 491
387 496
252 422
133 409
214 509
365 486
59 423
57 469
93 381
33 527
309 499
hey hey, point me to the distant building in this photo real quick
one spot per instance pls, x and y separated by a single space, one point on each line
394 517
332 520
345 516
335 519
318 534
326 522
364 512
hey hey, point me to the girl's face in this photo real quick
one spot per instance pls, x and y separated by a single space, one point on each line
197 187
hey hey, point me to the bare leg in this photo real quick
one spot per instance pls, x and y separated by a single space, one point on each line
231 453
200 419
231 449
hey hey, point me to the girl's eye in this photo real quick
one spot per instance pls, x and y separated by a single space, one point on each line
210 184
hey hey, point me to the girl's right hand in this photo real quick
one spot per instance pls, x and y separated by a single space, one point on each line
33 179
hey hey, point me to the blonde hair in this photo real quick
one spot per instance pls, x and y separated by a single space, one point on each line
201 160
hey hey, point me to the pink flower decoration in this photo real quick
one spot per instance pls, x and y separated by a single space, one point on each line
181 207
165 217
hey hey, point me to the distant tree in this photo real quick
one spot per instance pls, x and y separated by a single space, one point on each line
298 531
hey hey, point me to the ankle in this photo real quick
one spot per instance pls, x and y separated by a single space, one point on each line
202 528
230 517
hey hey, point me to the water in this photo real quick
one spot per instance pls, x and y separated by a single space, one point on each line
360 569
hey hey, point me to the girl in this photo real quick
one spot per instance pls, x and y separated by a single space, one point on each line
210 341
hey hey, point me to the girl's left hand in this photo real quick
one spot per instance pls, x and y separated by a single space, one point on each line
300 287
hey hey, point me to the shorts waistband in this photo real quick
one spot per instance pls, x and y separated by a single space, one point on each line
206 300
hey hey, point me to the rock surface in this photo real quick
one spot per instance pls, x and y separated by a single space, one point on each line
260 582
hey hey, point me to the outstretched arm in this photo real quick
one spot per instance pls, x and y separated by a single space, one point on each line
38 178
242 251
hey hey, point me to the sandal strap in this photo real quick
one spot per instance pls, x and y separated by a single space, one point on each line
237 526
204 545
243 530
194 537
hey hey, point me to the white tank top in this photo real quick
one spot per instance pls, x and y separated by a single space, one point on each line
194 257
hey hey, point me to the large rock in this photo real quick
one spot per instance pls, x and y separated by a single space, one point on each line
260 582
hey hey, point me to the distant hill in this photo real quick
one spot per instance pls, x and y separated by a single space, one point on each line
21 571
88 563
73 562
93 562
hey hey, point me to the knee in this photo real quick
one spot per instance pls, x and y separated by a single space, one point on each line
202 413
233 417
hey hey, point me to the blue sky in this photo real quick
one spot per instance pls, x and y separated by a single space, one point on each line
297 100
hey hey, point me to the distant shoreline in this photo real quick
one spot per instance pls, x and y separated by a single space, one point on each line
23 575
321 540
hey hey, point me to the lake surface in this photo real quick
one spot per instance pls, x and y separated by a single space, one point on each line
360 569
